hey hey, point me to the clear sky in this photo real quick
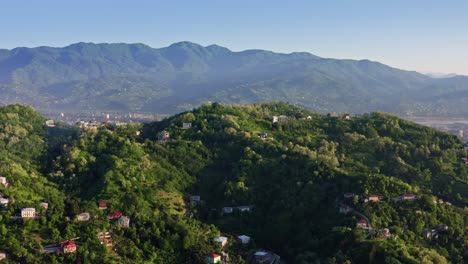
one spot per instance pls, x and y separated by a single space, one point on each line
423 35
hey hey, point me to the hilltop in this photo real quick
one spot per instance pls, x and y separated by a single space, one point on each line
298 183
138 78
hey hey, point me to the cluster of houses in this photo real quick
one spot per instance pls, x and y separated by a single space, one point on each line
224 257
434 233
378 198
385 232
242 208
116 216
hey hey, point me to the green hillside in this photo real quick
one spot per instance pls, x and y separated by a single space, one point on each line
285 182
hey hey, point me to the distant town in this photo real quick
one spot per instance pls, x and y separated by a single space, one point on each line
99 117
455 126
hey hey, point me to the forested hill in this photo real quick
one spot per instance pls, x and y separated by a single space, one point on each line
138 78
297 187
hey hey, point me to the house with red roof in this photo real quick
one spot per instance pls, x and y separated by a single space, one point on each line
362 224
115 215
213 258
68 246
102 205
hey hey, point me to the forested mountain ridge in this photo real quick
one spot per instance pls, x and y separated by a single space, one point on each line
291 174
136 77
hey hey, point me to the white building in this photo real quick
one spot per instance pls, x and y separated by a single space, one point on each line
222 240
3 254
244 239
50 123
83 217
227 210
28 212
3 181
45 205
244 208
4 201
186 125
124 221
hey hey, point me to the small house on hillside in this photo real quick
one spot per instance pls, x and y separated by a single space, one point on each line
384 233
274 119
68 247
3 181
265 257
83 217
186 125
372 198
244 208
362 224
213 258
346 116
407 196
443 227
4 201
50 123
263 135
431 234
28 212
115 215
227 210
105 238
124 222
44 205
163 137
102 205
244 239
221 240
3 255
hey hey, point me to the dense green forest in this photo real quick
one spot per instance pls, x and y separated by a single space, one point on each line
297 187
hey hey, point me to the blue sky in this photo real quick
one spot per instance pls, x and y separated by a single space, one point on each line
412 34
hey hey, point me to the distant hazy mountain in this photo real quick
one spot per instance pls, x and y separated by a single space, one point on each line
439 74
136 77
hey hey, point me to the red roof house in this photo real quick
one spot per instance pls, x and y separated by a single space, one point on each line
102 205
213 258
362 223
68 246
115 215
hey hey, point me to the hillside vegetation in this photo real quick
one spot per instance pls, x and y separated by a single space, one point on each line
291 175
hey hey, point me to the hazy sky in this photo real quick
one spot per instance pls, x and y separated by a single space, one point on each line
421 35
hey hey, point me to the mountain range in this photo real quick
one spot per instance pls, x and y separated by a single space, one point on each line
139 78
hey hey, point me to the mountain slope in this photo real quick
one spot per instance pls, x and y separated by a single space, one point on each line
285 182
136 77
